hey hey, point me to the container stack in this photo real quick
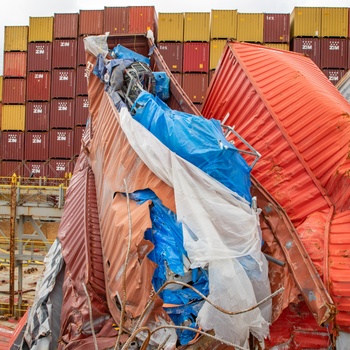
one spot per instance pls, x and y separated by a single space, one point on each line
277 30
250 27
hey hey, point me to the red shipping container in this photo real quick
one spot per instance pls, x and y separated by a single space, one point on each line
276 28
81 86
8 168
61 143
81 57
36 145
37 116
39 57
142 18
334 75
195 85
334 53
65 25
63 83
62 113
38 86
178 78
12 145
172 54
308 46
116 20
15 64
78 134
13 91
196 57
36 169
91 22
81 110
58 168
64 53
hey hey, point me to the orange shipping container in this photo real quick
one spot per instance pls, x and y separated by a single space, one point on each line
116 20
15 64
142 18
196 57
38 86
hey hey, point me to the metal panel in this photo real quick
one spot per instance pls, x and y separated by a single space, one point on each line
197 26
170 27
223 24
308 46
279 46
334 75
40 29
15 64
58 168
37 116
116 20
276 27
63 83
8 168
305 21
250 27
65 25
81 58
62 113
36 169
1 84
64 53
91 22
343 86
16 38
36 145
334 53
39 57
196 57
178 78
38 86
81 84
14 91
61 143
78 134
142 18
13 117
172 54
216 50
12 145
81 110
195 85
334 22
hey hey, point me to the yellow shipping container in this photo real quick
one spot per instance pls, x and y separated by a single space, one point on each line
197 26
280 46
250 27
305 21
223 24
216 49
16 38
334 22
40 29
13 117
171 27
1 79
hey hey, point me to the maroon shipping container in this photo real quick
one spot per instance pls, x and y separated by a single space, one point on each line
12 145
276 28
78 134
36 169
36 145
39 57
62 113
58 168
64 53
196 57
38 86
81 56
13 91
334 53
142 18
334 75
308 46
195 85
90 22
15 64
63 83
178 77
61 143
116 20
81 110
37 116
172 54
81 85
65 25
8 168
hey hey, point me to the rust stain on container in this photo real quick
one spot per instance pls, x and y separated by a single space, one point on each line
65 25
142 18
12 143
172 54
195 85
37 116
58 168
40 29
78 134
64 53
305 21
81 57
13 117
61 143
38 86
81 110
116 20
14 91
16 38
36 169
15 64
250 27
196 57
197 26
62 113
8 168
216 50
170 27
223 24
39 57
81 84
334 75
63 83
334 53
91 22
36 145
308 46
276 28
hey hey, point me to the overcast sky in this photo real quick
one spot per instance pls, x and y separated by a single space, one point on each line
17 12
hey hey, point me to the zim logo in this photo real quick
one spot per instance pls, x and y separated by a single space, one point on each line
12 138
62 106
36 139
60 167
37 109
63 76
38 76
39 50
85 103
65 44
61 136
35 169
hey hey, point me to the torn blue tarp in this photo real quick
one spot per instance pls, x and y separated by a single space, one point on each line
122 52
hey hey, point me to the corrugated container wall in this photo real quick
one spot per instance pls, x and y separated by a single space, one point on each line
8 168
65 25
178 78
81 110
116 20
170 27
63 83
196 57
250 27
223 24
14 91
16 38
216 49
40 29
195 85
38 86
36 145
90 22
61 143
81 58
39 57
305 21
12 145
334 75
197 26
309 46
58 168
334 53
172 54
1 83
64 53
276 28
13 117
78 134
15 64
37 116
36 169
142 18
279 46
62 113
81 83
335 22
